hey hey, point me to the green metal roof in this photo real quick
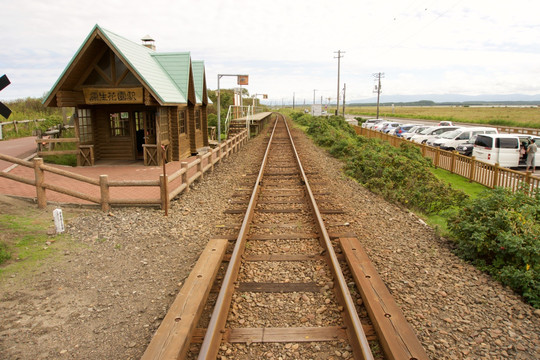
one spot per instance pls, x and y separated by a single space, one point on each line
198 79
176 65
149 65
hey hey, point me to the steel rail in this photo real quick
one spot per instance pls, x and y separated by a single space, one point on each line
357 336
214 331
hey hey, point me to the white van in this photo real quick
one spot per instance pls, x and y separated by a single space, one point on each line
497 148
451 139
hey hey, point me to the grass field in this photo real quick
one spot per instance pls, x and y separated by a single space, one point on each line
497 115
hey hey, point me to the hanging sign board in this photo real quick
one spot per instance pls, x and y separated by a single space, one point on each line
243 79
113 95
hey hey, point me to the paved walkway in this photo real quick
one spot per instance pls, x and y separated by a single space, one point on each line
21 148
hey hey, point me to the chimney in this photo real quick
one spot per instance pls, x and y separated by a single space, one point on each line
148 42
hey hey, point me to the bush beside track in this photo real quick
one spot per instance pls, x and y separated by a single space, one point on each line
498 232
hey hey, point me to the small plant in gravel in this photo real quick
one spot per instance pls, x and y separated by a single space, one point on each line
4 253
500 233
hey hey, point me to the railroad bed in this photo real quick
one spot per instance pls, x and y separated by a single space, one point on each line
278 283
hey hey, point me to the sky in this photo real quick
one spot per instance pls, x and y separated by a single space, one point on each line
289 47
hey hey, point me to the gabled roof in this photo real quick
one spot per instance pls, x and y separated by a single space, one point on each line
176 65
165 75
198 79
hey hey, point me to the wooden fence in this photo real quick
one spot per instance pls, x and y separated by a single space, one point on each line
15 124
203 163
490 175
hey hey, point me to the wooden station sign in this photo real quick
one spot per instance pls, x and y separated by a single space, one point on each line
113 95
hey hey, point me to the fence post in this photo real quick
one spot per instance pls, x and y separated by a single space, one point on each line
472 168
200 165
495 175
528 178
452 161
105 195
163 179
423 149
184 165
40 179
437 156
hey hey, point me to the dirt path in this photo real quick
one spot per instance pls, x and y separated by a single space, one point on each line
105 293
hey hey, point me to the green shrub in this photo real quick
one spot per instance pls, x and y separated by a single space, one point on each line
500 233
401 175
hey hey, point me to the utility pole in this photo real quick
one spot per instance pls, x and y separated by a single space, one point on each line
378 77
339 52
344 88
293 100
313 106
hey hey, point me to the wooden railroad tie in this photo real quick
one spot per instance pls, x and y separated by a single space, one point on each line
395 334
284 335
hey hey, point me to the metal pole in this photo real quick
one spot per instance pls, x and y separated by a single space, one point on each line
344 88
338 65
218 111
378 94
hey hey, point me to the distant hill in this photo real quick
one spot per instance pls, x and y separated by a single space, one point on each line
451 99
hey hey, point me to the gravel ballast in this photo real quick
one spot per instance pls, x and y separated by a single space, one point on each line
105 296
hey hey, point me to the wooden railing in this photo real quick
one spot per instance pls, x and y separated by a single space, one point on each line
85 153
15 125
203 163
489 175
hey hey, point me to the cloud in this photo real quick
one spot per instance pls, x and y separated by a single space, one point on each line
474 46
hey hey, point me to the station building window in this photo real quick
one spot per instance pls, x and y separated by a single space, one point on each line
86 133
198 119
182 128
119 124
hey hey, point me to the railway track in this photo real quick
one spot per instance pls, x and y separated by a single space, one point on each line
285 281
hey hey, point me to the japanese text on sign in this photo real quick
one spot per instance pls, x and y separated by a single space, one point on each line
113 96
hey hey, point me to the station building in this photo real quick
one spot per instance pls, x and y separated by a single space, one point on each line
132 102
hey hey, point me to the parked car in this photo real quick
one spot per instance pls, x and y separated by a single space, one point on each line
402 129
445 123
370 122
380 126
451 139
414 130
430 132
390 126
502 149
467 147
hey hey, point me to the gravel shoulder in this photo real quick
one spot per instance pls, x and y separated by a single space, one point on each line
105 296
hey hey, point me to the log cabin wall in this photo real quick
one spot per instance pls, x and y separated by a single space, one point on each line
199 142
175 145
184 148
204 114
114 134
191 131
162 130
